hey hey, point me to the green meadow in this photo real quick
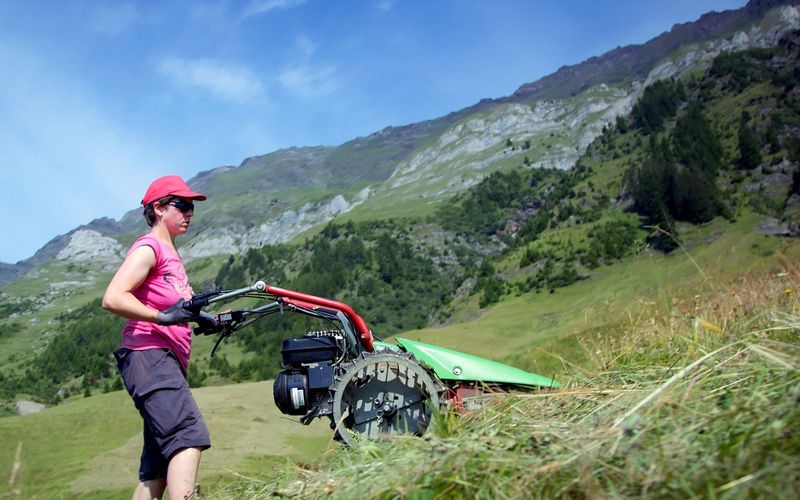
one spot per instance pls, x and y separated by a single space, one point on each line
88 447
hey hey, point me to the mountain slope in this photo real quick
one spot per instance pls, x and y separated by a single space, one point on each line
276 197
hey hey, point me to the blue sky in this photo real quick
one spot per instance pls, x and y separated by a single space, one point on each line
97 98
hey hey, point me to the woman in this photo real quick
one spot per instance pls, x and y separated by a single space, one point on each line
149 289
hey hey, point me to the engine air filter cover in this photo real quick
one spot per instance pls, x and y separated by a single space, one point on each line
290 392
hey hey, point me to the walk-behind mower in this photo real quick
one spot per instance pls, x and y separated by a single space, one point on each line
366 387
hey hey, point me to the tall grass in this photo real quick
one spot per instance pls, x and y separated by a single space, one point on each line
697 397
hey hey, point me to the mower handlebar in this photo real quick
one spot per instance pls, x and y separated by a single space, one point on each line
280 297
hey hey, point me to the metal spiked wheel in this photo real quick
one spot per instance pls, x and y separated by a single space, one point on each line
383 394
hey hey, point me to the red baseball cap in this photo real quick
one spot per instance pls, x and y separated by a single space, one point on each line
169 185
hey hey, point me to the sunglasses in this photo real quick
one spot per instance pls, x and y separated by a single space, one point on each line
183 206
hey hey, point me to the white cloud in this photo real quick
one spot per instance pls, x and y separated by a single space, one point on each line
310 82
224 80
305 79
257 7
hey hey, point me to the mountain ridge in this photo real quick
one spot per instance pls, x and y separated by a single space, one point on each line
621 59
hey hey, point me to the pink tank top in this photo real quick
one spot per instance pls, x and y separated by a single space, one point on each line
164 285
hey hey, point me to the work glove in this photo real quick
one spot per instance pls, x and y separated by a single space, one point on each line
176 314
206 323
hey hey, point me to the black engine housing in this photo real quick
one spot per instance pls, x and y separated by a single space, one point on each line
303 385
308 349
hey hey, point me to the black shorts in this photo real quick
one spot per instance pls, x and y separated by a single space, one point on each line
172 420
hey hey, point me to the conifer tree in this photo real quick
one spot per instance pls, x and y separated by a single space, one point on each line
749 146
658 102
695 144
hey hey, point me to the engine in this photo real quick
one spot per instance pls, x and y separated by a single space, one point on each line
308 362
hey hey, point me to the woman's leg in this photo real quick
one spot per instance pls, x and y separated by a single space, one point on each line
149 490
182 473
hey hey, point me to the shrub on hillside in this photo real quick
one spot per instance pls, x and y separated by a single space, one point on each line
482 211
612 240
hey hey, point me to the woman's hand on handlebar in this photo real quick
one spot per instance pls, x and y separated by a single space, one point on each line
182 312
176 314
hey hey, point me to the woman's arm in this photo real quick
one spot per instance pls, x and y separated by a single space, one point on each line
119 298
